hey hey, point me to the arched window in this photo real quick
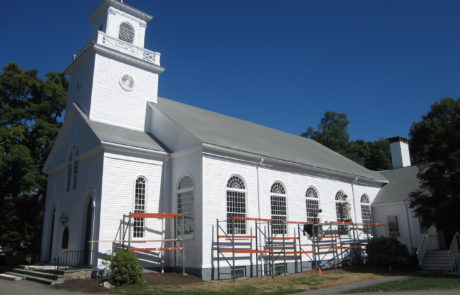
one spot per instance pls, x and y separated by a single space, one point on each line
139 207
366 213
312 204
72 169
236 205
69 171
65 239
342 209
126 33
185 203
75 169
278 206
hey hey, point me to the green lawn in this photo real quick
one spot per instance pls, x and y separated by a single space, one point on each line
418 283
279 285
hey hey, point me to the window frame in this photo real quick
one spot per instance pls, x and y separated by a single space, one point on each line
393 226
182 191
317 200
278 227
141 221
127 25
366 209
240 225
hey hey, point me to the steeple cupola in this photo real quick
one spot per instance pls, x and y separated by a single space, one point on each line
114 77
118 20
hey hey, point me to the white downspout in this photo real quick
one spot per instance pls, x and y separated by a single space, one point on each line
353 195
258 205
411 244
92 225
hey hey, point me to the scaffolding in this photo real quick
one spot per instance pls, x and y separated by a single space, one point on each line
324 245
124 236
230 243
339 243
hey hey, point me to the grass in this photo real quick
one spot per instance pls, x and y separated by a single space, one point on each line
418 283
254 286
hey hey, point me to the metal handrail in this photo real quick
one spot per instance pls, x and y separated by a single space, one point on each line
454 251
422 248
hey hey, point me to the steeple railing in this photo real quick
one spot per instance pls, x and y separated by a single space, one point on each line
128 48
105 40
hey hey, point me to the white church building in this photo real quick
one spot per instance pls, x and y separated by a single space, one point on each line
122 150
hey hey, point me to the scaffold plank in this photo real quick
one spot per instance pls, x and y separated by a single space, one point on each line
230 237
155 249
243 251
155 215
251 218
298 222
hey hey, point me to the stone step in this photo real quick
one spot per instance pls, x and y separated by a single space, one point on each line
10 277
34 278
35 273
43 268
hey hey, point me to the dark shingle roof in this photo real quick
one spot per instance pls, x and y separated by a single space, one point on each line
120 135
402 182
217 129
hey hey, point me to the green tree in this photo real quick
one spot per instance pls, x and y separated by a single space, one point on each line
425 134
332 132
30 111
437 201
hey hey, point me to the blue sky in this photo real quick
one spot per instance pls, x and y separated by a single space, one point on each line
277 63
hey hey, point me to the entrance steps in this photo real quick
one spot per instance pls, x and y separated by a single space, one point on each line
45 274
437 260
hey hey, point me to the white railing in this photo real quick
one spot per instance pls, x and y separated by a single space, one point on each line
422 248
128 48
454 251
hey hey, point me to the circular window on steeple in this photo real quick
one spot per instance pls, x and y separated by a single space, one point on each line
127 82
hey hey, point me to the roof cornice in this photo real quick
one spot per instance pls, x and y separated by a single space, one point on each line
356 179
121 6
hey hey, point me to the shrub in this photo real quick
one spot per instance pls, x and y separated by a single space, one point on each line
385 252
125 269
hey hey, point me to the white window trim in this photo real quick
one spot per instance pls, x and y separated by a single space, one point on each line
134 32
317 198
134 206
184 190
285 195
245 191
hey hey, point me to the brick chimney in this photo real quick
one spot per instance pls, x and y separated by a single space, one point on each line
400 155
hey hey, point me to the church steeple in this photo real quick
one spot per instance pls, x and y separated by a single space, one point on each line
121 21
114 76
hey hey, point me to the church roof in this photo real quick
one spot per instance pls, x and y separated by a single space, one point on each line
120 135
217 129
402 182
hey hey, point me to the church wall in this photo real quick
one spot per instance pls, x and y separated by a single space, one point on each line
111 104
73 203
189 164
81 84
118 189
217 171
398 209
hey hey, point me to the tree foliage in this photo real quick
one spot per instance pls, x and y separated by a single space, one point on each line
384 252
125 269
437 201
30 109
332 132
425 134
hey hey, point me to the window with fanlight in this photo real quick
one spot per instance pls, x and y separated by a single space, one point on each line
278 208
312 204
139 207
126 32
185 204
366 213
236 205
